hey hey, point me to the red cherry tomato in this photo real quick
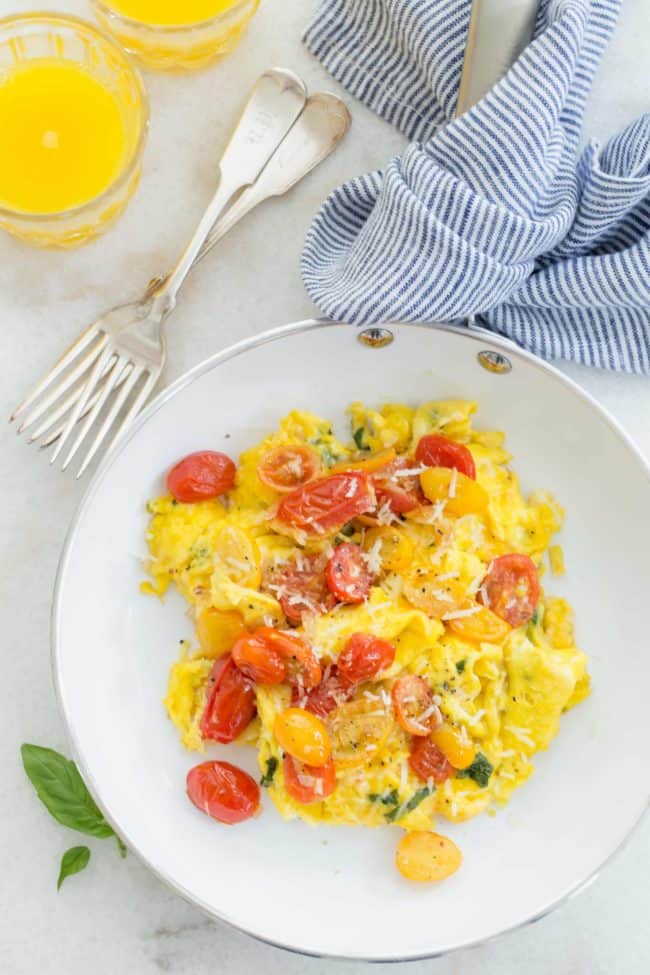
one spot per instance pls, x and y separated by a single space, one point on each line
363 658
301 587
325 698
511 588
428 762
285 468
258 659
301 663
328 503
435 450
306 783
223 791
201 476
415 707
231 703
402 494
348 575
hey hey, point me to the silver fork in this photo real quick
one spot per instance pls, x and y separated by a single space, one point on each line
123 353
322 125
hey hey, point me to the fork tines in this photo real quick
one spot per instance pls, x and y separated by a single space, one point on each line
87 390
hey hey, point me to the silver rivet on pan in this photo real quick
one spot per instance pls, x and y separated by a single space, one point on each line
494 362
376 338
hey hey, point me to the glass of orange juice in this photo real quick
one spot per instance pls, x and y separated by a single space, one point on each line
73 124
176 34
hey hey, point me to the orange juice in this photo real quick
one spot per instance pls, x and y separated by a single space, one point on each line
63 136
170 35
171 12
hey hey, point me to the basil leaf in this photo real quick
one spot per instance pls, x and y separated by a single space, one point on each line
357 436
412 804
460 665
121 847
386 799
480 771
61 789
73 861
271 769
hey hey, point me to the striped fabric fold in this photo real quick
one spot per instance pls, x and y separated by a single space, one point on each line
496 214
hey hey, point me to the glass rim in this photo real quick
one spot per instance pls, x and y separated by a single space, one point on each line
52 18
109 12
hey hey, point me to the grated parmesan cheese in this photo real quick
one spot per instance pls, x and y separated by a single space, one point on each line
461 613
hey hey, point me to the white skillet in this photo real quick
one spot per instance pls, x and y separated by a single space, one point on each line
335 891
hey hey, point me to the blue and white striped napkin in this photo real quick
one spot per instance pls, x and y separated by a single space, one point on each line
497 213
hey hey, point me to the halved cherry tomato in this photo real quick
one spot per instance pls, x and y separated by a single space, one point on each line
415 707
223 792
231 703
328 503
363 657
201 476
258 659
308 783
301 586
434 450
482 627
395 547
322 700
376 462
285 468
301 663
461 495
358 730
511 588
428 762
303 736
348 576
402 494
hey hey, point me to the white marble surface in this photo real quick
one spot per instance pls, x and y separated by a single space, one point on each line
117 918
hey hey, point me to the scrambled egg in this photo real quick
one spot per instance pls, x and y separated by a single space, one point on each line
505 697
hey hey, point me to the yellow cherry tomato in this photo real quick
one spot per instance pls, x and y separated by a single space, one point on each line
237 556
427 857
454 745
395 551
369 464
435 597
303 736
483 626
461 494
217 630
358 730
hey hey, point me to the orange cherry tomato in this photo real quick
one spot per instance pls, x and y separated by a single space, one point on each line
375 462
302 667
511 588
402 494
427 857
223 792
415 707
454 744
308 783
285 468
482 627
428 762
348 576
303 736
301 587
201 476
258 659
322 700
434 450
327 503
363 657
231 703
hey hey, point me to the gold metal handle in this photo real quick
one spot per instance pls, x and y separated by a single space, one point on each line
499 30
